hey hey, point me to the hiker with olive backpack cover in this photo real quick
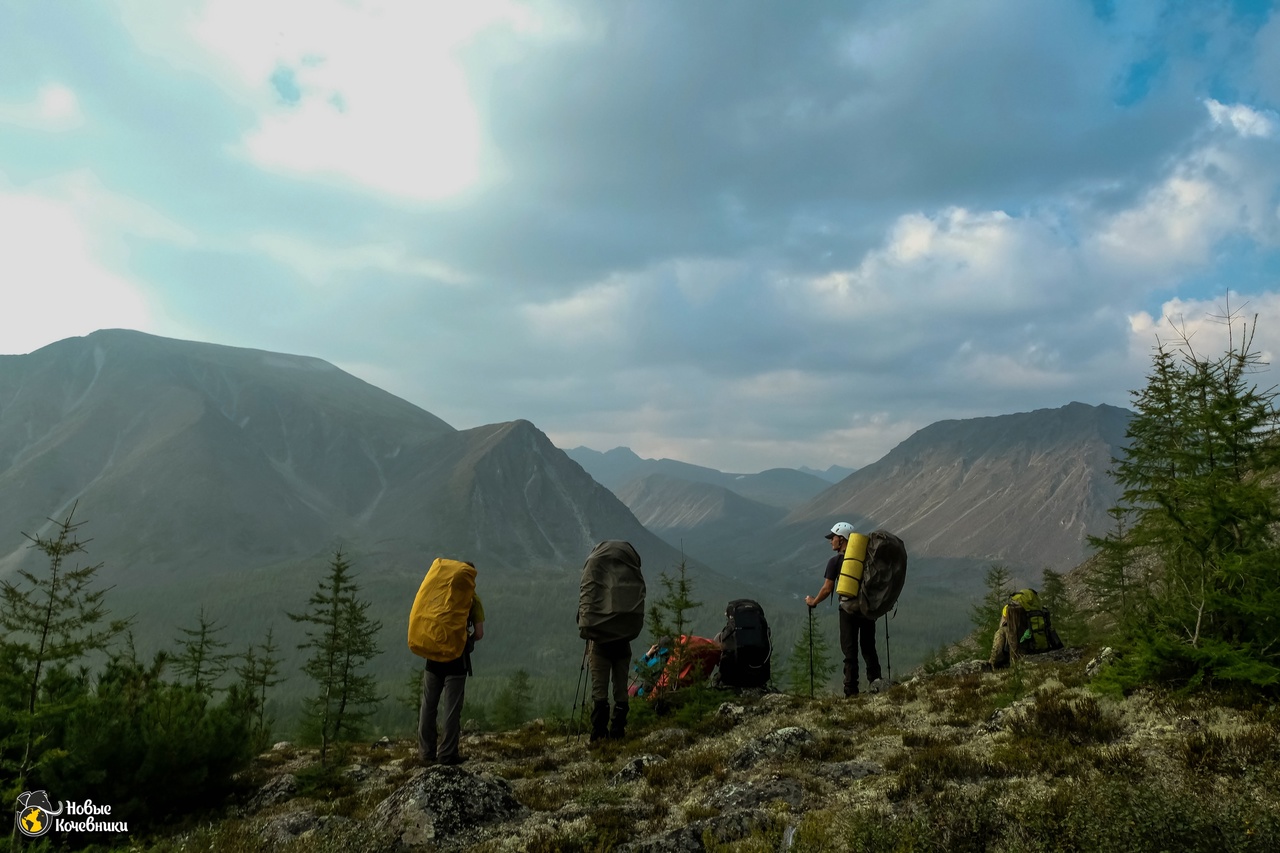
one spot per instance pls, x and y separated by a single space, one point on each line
610 615
445 622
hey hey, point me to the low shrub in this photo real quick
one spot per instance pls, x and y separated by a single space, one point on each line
1078 720
1229 754
932 767
1108 816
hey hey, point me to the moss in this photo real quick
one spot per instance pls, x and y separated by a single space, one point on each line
684 770
324 783
606 828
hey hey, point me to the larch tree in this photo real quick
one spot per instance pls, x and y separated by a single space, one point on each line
341 637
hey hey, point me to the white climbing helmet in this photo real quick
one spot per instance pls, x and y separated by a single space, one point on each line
841 529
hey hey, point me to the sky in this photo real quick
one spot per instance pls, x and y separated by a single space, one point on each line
741 234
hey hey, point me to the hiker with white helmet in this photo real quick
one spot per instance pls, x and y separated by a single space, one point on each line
857 632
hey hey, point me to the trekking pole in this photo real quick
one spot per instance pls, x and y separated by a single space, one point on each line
810 652
577 720
888 658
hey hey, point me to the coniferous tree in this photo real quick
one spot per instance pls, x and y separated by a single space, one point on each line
1115 589
511 707
1198 479
1063 613
259 670
49 622
342 641
200 658
150 746
985 615
812 662
669 615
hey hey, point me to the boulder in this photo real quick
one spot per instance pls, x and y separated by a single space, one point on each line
739 796
633 770
781 742
304 825
280 789
440 803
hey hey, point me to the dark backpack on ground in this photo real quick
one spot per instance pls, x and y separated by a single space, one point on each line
1039 635
611 596
883 574
747 645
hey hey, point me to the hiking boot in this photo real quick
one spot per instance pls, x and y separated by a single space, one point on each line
878 685
599 720
618 723
454 760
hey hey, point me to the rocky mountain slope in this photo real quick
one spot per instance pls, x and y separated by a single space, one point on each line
702 516
224 477
1025 488
1028 759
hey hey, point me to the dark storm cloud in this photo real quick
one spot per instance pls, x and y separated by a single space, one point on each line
678 129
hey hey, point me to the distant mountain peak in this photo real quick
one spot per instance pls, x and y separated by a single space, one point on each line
1027 487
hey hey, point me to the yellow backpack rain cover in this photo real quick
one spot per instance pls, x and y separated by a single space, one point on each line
438 620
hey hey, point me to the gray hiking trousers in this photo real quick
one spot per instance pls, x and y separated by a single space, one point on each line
435 687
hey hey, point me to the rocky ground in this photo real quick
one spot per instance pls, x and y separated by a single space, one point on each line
936 762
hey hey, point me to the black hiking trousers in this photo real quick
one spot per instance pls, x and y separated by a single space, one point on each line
857 632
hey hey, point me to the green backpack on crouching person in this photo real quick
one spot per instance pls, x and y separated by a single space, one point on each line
1039 635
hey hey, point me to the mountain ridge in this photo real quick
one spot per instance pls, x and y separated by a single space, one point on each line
210 468
226 477
1027 487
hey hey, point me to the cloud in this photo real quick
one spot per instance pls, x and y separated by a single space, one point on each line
1225 187
958 312
322 264
1245 120
742 234
55 108
1211 326
371 94
110 213
52 263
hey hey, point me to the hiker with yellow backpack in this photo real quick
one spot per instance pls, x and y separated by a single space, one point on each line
446 621
1025 629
